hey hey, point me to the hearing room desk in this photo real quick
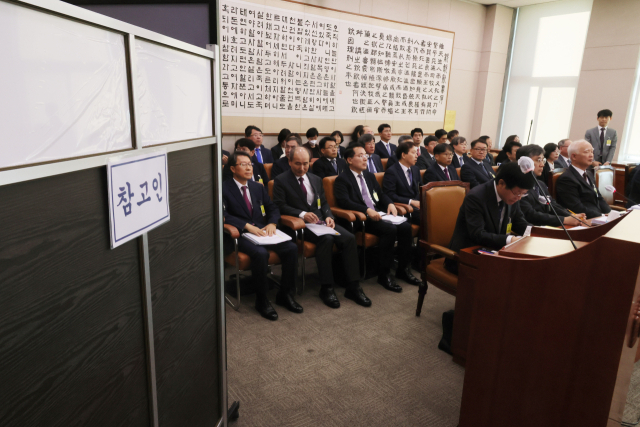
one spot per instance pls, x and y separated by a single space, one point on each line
549 340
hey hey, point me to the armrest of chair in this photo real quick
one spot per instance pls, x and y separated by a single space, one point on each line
405 207
292 222
350 216
618 208
444 251
231 231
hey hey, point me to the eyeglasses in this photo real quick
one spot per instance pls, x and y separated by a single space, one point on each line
480 150
519 196
244 165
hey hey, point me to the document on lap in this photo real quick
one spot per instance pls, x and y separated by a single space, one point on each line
279 237
321 230
392 219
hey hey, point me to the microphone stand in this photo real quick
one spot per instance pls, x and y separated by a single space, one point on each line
548 198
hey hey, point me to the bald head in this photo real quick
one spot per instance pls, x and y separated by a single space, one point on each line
581 153
299 159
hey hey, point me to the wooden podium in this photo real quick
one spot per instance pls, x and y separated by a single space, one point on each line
550 341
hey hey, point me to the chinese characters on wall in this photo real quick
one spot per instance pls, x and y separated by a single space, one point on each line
282 63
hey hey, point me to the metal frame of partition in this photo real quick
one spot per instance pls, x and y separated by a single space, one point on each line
31 172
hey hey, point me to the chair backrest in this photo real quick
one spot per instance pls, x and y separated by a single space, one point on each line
495 169
379 177
327 184
270 189
384 163
458 171
422 171
605 176
551 182
267 168
440 203
313 159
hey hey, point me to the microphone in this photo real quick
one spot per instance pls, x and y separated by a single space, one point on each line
612 189
527 166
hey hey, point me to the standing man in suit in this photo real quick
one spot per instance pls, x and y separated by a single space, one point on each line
282 164
384 148
564 161
603 139
374 163
358 190
312 142
459 144
401 180
576 188
535 209
301 194
329 164
263 154
476 171
490 213
249 209
259 173
489 157
442 169
394 159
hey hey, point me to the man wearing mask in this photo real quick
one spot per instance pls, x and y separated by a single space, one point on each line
312 143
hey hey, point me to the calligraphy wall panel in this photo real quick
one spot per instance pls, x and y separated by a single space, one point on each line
294 65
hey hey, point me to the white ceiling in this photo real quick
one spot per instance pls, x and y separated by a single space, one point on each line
512 3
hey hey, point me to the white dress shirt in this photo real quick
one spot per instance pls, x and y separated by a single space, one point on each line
405 170
310 195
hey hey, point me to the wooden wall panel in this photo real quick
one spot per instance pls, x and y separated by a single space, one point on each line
71 327
184 296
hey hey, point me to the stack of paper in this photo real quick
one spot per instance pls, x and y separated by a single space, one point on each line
321 230
279 237
599 220
634 207
392 219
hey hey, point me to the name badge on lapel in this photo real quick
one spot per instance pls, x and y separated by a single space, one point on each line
509 227
260 180
375 196
262 210
608 143
319 205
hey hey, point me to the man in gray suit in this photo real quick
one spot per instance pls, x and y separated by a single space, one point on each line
603 139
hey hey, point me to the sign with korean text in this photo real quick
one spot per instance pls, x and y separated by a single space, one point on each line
278 62
138 195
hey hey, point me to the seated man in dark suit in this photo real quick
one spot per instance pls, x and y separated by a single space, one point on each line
576 188
259 173
282 164
277 151
358 190
427 158
329 164
534 206
312 142
442 136
262 154
442 170
374 163
401 181
301 194
249 209
384 148
491 213
460 157
476 171
394 159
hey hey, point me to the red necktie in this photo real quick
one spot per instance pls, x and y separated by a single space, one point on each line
446 172
246 198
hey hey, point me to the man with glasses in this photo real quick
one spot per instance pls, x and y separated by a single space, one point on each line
259 172
563 160
374 163
535 208
262 154
442 170
328 164
282 164
476 171
490 215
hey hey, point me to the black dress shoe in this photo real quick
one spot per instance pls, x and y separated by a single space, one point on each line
329 297
447 332
266 310
358 296
286 300
406 275
388 283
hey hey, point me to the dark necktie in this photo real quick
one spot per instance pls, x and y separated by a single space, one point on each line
586 178
601 141
365 193
334 164
410 175
485 169
500 208
446 173
246 198
303 188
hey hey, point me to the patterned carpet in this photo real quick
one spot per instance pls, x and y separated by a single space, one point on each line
351 366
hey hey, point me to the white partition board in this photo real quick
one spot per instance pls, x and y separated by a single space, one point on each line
173 94
63 88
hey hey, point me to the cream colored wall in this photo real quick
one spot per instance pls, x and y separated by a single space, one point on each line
608 66
468 21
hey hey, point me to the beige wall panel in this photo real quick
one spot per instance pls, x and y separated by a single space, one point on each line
323 125
468 60
467 21
489 22
614 23
285 5
228 141
502 30
439 14
396 10
276 124
493 62
610 58
418 11
366 6
481 92
347 126
347 6
236 124
491 106
614 90
270 141
462 96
